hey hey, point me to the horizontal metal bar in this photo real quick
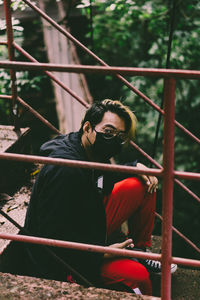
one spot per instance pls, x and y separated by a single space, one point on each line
93 165
7 97
187 175
94 248
78 164
78 246
175 73
69 68
186 262
3 43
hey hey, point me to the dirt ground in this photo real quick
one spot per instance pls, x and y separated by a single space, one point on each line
28 288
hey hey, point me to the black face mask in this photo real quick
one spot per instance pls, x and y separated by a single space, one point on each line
104 149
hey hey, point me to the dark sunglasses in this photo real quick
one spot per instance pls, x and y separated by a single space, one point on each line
111 133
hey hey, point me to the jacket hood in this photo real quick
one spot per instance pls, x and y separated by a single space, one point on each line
64 146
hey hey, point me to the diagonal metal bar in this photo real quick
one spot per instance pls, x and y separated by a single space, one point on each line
187 189
34 112
181 235
126 82
160 167
59 260
153 161
50 75
37 115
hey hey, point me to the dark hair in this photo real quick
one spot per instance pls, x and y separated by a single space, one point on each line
96 112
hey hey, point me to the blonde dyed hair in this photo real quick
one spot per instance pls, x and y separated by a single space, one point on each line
123 111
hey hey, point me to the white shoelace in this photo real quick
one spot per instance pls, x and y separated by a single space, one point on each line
153 263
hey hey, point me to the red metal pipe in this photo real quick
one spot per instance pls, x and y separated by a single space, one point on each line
181 235
131 142
60 83
68 35
37 115
78 164
187 189
2 43
160 167
9 31
57 67
153 161
187 175
165 73
34 112
186 262
167 190
78 246
189 133
94 248
8 97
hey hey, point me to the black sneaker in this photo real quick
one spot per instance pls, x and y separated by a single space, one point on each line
154 266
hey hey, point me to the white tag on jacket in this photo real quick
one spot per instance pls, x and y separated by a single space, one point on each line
100 182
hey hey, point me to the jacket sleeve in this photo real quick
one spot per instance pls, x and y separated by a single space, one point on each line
62 208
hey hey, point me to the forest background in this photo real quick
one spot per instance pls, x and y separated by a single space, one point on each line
133 34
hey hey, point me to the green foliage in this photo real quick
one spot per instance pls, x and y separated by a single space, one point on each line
18 4
29 84
136 34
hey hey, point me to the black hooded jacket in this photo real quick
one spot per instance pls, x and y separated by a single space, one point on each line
67 204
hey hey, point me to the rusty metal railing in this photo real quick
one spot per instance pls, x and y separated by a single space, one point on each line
167 172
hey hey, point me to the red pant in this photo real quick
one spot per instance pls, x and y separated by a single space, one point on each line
130 201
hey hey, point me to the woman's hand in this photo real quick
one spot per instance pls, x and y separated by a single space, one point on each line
150 181
126 243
